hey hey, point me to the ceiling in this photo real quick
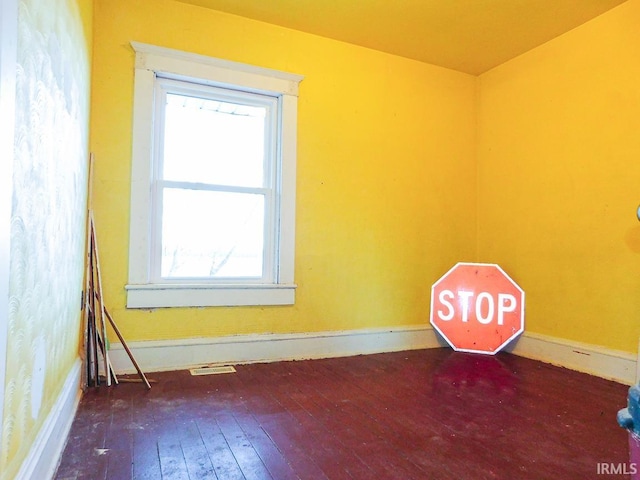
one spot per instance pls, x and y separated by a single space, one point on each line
471 36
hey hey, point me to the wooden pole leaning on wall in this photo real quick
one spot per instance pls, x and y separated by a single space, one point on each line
98 308
126 347
93 319
95 313
99 312
90 376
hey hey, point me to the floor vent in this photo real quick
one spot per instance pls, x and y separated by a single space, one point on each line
212 370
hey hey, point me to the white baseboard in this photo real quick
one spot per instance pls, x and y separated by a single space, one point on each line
235 349
44 456
592 359
182 354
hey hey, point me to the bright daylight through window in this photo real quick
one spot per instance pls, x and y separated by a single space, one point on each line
213 182
214 192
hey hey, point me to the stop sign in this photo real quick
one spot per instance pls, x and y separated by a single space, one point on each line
477 308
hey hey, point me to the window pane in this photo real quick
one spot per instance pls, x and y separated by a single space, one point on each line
214 142
212 234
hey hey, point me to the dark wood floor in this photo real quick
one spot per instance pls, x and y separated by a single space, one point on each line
424 414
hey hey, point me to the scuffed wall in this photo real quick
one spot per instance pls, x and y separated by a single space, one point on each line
48 218
559 142
385 191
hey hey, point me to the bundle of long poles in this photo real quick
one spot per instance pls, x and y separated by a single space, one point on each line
97 348
96 315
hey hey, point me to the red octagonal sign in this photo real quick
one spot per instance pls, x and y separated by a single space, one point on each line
477 308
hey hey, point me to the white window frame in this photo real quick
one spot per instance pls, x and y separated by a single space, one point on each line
142 291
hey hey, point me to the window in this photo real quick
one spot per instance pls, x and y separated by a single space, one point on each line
213 186
213 182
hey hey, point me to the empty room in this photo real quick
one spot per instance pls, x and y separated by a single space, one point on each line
231 235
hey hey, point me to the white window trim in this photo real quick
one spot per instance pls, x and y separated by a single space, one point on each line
141 293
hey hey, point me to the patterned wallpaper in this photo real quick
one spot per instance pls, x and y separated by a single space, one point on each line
47 226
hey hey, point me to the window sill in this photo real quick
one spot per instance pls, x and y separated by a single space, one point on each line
207 295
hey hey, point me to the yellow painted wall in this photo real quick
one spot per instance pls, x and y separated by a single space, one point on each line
385 189
559 179
47 218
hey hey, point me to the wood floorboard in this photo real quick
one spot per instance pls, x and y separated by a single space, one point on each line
378 409
172 462
329 408
289 429
324 445
401 437
408 436
422 414
199 465
351 424
88 436
119 444
244 452
224 463
271 457
146 465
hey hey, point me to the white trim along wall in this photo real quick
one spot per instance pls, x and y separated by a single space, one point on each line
44 455
237 349
592 359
